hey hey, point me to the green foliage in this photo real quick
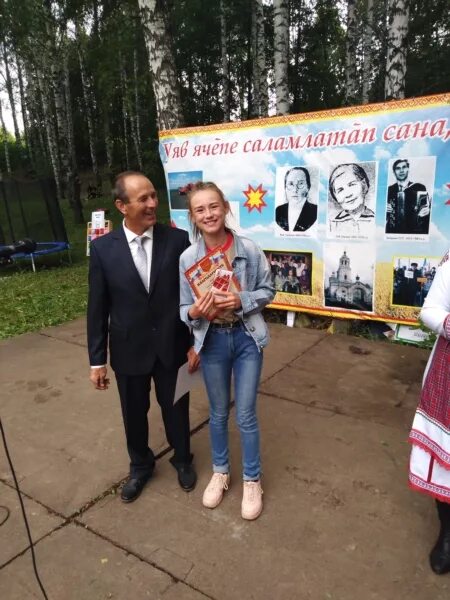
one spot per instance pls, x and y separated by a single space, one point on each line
318 82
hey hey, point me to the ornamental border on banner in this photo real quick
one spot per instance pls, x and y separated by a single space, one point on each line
377 265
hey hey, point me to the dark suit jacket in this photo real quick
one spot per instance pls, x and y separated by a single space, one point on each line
307 217
141 326
409 222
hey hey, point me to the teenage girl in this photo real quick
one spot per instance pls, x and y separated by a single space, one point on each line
230 344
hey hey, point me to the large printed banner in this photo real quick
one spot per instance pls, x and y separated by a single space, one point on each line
351 206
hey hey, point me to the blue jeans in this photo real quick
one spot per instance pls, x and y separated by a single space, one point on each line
227 351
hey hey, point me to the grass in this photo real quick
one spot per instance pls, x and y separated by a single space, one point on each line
57 292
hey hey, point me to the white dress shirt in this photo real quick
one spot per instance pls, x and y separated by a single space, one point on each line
148 246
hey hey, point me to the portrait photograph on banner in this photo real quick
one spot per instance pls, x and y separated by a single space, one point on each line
296 195
410 197
352 201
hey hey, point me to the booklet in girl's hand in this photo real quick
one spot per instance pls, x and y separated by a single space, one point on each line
212 272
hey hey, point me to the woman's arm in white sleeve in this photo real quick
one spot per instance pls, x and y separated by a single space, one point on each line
436 307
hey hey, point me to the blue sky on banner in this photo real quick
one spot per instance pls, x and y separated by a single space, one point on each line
235 172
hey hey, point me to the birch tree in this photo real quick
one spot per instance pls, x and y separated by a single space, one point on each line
225 68
260 87
162 64
72 177
5 140
281 55
367 52
10 90
24 111
136 119
87 105
351 78
398 19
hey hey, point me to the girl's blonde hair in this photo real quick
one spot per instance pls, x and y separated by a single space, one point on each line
199 186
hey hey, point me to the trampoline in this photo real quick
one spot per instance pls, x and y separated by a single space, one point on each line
43 248
30 209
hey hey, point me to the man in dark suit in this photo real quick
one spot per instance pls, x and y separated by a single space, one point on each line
408 206
134 301
297 213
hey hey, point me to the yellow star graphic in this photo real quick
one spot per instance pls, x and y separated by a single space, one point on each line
255 198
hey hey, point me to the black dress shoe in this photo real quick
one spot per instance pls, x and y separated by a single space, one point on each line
133 488
187 477
440 555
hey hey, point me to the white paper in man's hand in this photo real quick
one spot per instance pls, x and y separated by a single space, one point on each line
186 381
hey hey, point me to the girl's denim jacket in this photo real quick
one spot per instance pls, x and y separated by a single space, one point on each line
252 270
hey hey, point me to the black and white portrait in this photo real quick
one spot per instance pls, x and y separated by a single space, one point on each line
296 196
409 197
351 201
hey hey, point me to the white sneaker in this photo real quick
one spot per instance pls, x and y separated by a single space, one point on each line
213 494
252 504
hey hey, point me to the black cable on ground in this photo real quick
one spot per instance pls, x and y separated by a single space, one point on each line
23 511
6 517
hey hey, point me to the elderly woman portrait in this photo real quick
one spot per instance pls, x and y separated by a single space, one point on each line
349 186
297 213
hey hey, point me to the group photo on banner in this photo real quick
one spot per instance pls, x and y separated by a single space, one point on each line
351 206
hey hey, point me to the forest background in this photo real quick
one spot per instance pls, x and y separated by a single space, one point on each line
88 83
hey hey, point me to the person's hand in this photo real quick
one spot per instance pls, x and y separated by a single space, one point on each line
202 307
389 208
227 301
424 211
193 360
99 379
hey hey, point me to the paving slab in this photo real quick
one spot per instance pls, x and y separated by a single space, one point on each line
13 535
74 332
375 381
339 519
286 345
66 439
74 564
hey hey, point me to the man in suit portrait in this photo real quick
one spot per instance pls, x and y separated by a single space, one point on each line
134 304
408 203
298 213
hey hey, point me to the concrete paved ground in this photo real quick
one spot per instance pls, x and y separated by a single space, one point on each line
339 521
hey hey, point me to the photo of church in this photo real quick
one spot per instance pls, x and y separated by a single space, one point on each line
349 281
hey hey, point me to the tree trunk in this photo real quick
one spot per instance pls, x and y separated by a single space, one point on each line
256 108
24 109
50 131
351 76
88 109
9 88
259 75
225 68
367 52
72 177
109 145
162 65
125 116
136 120
261 60
281 55
5 140
60 110
398 18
